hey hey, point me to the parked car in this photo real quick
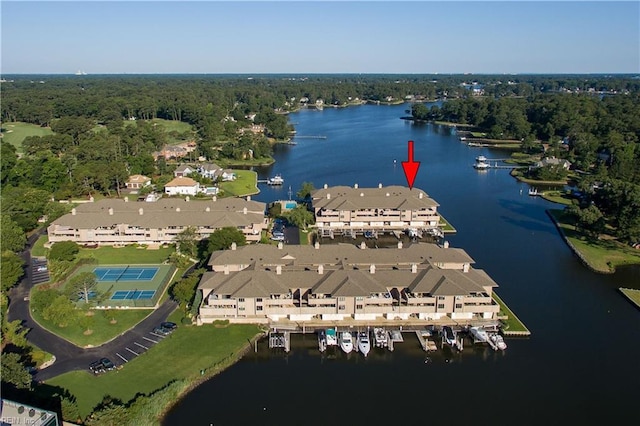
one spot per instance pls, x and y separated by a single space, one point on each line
97 367
161 331
42 268
168 325
107 364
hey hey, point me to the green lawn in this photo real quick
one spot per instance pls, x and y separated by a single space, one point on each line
560 197
187 351
512 323
131 254
446 226
172 125
632 294
102 328
38 248
602 254
16 132
246 183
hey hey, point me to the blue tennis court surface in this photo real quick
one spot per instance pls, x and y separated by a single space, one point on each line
133 294
125 274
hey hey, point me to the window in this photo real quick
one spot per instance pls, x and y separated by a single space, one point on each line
458 305
259 300
440 297
258 308
341 307
241 308
241 299
341 299
440 305
358 306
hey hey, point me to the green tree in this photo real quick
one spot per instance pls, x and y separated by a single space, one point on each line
14 333
10 269
64 250
12 236
14 371
60 312
41 297
8 159
221 240
184 290
300 216
187 241
420 111
81 285
305 191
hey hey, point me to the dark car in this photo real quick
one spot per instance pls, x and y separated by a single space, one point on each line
96 367
161 331
107 364
168 325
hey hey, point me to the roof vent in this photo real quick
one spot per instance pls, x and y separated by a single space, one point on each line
177 209
414 268
325 186
320 269
355 186
73 211
399 244
379 185
372 269
248 197
226 269
234 245
280 245
126 199
446 244
186 198
244 210
420 195
328 196
110 211
387 194
316 245
279 270
140 211
214 198
363 245
362 194
465 267
208 209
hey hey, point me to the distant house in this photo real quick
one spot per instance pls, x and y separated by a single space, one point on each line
182 186
138 182
227 175
553 161
209 170
184 170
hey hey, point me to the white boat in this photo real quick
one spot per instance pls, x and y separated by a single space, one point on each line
533 191
411 232
380 337
346 342
322 341
332 339
481 166
276 180
498 341
449 336
479 334
481 159
364 345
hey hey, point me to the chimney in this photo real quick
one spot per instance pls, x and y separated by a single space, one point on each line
234 245
73 211
280 245
465 267
214 198
126 199
387 194
362 194
446 244
226 269
208 209
248 197
420 195
372 269
140 211
328 196
414 268
400 244
320 269
110 211
244 210
380 186
177 209
355 186
186 198
325 186
363 245
316 245
279 270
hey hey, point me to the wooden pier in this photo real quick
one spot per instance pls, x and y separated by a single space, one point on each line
310 137
427 344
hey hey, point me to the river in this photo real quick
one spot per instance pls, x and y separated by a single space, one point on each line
581 364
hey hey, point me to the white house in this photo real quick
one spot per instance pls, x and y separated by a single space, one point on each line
184 170
182 186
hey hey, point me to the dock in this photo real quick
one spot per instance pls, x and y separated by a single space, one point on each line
280 340
310 137
394 336
427 344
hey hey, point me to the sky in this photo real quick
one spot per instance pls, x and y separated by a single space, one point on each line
424 37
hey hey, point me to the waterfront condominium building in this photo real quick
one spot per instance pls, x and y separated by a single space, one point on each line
348 210
119 222
423 281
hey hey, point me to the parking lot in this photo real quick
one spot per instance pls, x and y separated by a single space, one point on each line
39 270
135 347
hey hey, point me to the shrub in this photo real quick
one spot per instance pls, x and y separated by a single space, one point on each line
64 250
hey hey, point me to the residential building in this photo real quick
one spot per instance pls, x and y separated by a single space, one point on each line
182 186
264 283
346 209
118 222
553 161
209 170
138 182
184 170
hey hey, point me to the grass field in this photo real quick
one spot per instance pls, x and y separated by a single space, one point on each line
632 294
602 255
38 248
446 226
246 183
512 323
100 323
15 133
188 350
128 254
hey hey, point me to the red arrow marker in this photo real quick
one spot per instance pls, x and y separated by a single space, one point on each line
410 167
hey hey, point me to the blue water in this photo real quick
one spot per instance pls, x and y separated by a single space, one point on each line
580 366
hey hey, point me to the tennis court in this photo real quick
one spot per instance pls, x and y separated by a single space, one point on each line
128 273
133 294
